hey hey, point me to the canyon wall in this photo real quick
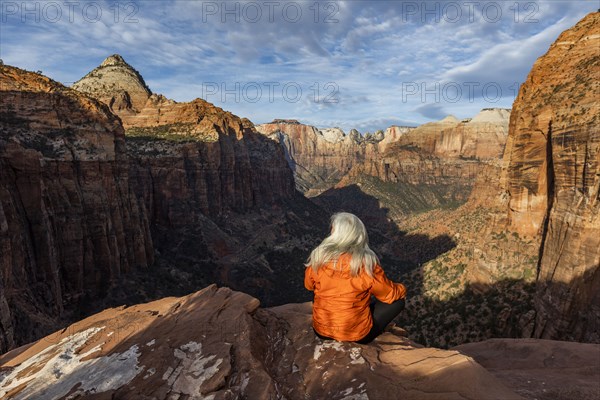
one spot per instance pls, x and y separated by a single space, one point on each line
70 224
321 157
189 157
221 199
87 206
447 152
552 176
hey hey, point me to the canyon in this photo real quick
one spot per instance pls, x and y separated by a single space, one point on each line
111 194
96 213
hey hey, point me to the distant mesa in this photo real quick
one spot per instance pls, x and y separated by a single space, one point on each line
285 121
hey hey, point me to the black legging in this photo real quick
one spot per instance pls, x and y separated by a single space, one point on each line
383 314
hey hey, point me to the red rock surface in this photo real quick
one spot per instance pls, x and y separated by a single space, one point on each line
192 156
70 225
117 84
483 137
553 180
84 209
217 344
541 369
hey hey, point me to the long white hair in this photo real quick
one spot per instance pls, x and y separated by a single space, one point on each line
348 235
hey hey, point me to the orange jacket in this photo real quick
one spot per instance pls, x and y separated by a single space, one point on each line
341 305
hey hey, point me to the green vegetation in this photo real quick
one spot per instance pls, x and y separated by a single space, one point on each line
177 132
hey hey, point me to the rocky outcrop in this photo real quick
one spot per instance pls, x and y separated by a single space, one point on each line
552 176
219 344
85 207
541 369
482 137
528 239
70 224
191 156
443 153
117 84
393 134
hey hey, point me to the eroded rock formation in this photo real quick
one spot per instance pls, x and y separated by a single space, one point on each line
320 158
553 180
219 344
483 137
117 84
70 223
220 196
85 207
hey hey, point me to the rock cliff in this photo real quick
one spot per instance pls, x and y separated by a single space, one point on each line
217 160
527 255
483 137
220 196
442 157
218 344
70 223
552 176
319 158
86 206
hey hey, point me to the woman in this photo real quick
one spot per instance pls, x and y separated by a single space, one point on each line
344 272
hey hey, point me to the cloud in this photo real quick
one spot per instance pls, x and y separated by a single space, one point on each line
368 49
432 111
507 64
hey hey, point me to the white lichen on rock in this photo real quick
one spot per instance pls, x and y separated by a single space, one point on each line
193 370
54 372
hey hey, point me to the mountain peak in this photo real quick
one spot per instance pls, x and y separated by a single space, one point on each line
115 59
116 83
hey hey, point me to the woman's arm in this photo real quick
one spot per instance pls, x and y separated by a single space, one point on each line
384 289
309 280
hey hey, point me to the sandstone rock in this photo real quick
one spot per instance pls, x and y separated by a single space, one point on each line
85 208
70 225
393 134
117 84
483 137
220 198
552 175
318 159
424 136
332 135
321 157
541 369
218 344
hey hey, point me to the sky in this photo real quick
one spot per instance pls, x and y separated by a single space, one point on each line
351 64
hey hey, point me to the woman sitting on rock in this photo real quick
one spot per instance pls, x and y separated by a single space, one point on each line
344 272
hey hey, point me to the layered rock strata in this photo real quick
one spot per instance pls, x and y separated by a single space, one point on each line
70 223
552 176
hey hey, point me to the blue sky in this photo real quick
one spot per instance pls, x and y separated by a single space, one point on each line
352 64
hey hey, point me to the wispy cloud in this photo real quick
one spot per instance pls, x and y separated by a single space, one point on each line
356 63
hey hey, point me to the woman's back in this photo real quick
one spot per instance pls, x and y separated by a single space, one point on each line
341 303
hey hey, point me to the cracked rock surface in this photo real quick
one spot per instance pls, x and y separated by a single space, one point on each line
218 344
